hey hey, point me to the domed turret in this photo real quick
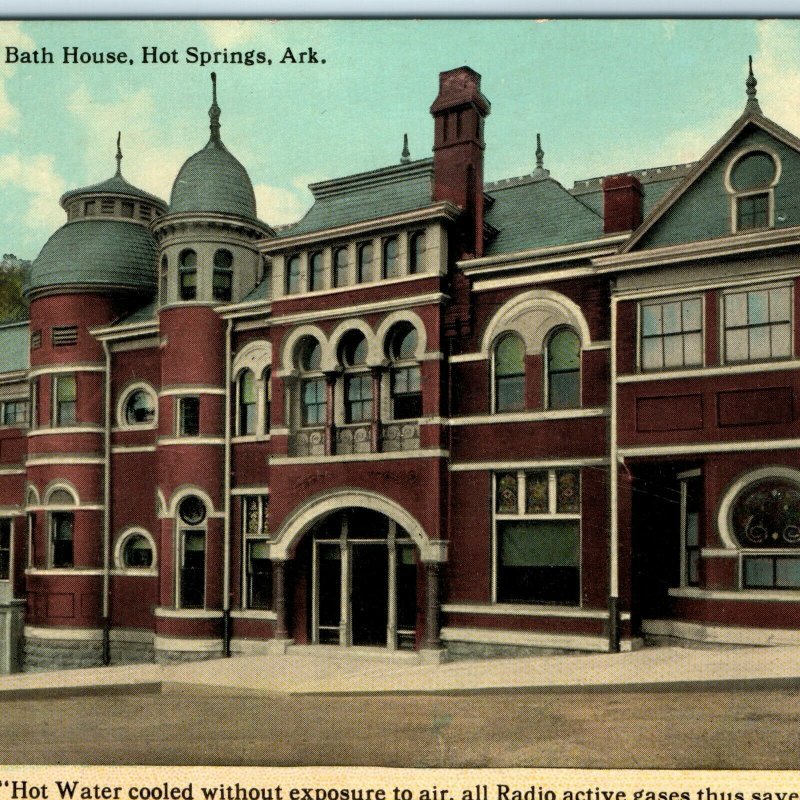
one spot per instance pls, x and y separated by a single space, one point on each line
213 180
106 241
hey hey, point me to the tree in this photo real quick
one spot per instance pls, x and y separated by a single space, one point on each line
13 307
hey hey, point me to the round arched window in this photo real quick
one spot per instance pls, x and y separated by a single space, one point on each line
223 259
402 342
753 171
766 514
140 408
353 351
188 259
137 552
192 510
310 355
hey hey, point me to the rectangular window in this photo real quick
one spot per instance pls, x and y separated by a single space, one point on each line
15 412
189 416
64 336
672 334
223 284
193 569
771 572
64 394
691 495
257 591
62 524
5 549
358 398
188 279
537 536
752 211
758 324
406 392
313 402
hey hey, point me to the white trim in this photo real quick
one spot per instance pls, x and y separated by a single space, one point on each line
178 495
75 459
186 645
718 552
82 507
65 430
662 301
71 572
720 634
465 357
66 634
741 595
170 441
365 308
531 279
191 390
11 511
559 641
61 486
121 345
600 344
709 447
59 369
256 356
250 490
735 194
530 416
165 612
254 614
392 456
124 395
555 463
414 319
724 522
133 448
519 610
12 471
127 533
738 368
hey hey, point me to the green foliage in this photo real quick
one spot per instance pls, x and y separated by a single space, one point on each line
13 307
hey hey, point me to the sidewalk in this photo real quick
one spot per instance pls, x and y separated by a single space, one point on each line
312 672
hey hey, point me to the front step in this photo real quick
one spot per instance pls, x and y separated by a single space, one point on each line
333 651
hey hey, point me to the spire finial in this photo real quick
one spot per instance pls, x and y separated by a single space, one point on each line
540 171
752 101
405 156
119 153
214 112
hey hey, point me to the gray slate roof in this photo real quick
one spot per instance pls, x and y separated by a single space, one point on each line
365 196
114 185
532 212
213 181
14 349
94 251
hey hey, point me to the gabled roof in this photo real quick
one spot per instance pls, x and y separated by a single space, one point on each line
14 347
365 196
748 118
532 212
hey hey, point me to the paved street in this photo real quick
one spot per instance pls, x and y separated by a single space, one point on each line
215 726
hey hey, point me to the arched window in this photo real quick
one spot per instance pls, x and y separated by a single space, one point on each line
163 279
267 380
357 379
247 403
223 275
293 275
136 552
365 273
752 179
317 271
341 266
416 252
391 261
765 520
564 369
191 590
61 527
138 408
312 384
187 267
405 381
509 373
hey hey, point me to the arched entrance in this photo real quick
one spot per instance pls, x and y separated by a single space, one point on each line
363 581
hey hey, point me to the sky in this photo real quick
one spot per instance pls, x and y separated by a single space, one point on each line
606 96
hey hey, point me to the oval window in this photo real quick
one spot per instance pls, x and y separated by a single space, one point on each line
140 408
137 552
753 171
192 510
767 514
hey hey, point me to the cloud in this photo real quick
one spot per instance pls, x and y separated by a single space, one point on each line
149 161
278 205
775 65
36 176
12 36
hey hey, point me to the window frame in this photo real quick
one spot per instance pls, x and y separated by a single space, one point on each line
180 419
226 272
495 407
316 277
397 270
58 419
687 550
54 516
119 553
340 271
416 257
248 539
122 407
548 372
6 549
723 323
246 424
523 516
182 530
16 402
187 292
661 301
736 194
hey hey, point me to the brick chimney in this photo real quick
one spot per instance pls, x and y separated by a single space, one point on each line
458 113
622 203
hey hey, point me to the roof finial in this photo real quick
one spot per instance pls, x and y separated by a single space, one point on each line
751 105
214 111
405 156
119 153
540 171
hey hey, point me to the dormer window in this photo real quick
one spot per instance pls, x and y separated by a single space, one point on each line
751 180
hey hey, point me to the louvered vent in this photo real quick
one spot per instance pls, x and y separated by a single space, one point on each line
65 336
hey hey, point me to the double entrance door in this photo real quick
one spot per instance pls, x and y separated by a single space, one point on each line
364 592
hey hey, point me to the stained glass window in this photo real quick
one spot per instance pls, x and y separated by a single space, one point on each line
568 492
536 493
507 493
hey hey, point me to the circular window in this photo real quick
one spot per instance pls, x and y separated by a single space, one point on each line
192 510
403 341
753 171
353 351
767 515
310 355
223 259
137 552
140 408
